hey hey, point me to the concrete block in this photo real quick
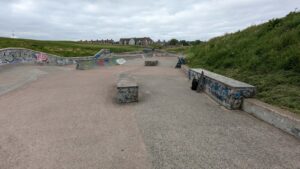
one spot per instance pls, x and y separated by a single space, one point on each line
128 90
151 62
226 91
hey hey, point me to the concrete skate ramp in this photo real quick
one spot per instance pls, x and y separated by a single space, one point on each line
70 120
28 56
15 76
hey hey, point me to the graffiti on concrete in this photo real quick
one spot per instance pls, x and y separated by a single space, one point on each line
90 63
108 61
127 89
19 55
230 97
16 56
101 53
127 94
41 58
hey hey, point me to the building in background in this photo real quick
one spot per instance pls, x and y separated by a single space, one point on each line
103 41
136 41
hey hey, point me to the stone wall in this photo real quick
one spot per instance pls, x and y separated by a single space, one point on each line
21 55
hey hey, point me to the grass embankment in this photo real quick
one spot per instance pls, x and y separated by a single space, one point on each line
64 48
267 56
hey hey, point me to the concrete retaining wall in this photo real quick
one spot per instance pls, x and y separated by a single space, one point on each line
282 119
21 55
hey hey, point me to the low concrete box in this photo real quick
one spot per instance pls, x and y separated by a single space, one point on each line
128 90
151 62
226 91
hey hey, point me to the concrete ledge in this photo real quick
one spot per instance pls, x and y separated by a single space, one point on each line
151 62
282 119
226 91
128 89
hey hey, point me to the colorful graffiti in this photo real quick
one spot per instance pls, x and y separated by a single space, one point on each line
16 56
41 58
19 55
101 53
230 97
90 63
106 61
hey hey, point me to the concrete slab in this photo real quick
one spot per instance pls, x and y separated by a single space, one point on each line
14 76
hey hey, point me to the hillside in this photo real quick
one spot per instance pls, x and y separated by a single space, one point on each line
267 56
63 48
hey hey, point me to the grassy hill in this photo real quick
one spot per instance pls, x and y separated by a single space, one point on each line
267 56
64 48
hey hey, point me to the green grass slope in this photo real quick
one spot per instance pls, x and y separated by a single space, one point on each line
267 56
64 48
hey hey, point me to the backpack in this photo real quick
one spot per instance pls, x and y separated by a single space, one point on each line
194 84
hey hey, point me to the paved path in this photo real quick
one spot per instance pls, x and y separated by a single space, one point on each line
69 120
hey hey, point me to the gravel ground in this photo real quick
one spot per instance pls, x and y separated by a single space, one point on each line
68 119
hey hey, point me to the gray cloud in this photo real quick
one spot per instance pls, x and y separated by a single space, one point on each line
164 19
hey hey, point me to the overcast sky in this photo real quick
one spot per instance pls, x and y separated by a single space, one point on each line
161 19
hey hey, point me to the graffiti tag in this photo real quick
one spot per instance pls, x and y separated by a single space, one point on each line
41 57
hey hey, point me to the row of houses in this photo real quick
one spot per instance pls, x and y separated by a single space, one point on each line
145 41
103 41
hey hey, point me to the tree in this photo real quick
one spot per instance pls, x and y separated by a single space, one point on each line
173 42
184 43
196 42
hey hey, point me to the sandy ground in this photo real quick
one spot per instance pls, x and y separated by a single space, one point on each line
66 119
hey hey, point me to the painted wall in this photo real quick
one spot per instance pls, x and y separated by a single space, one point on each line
102 58
21 55
230 97
85 64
